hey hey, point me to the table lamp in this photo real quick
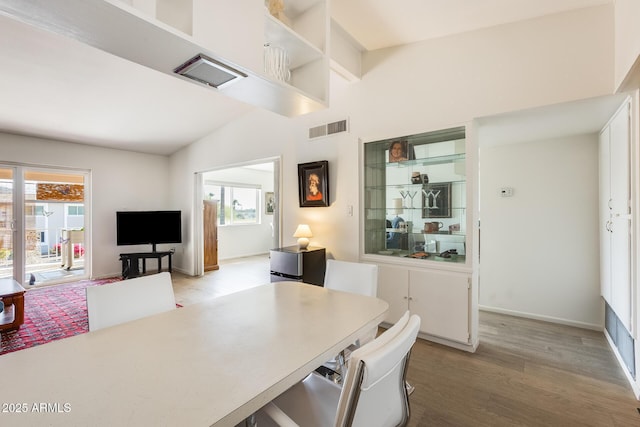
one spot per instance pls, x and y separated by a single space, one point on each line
303 232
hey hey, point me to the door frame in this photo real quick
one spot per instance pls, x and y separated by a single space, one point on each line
198 233
18 196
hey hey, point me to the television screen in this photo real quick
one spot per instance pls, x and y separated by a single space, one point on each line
142 227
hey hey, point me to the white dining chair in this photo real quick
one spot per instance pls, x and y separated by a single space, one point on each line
373 394
354 277
119 302
357 278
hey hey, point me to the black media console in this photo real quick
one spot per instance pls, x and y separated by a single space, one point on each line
131 262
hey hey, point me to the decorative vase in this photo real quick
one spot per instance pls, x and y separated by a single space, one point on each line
276 62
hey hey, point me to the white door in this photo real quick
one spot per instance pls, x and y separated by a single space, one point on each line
393 287
620 219
615 218
604 214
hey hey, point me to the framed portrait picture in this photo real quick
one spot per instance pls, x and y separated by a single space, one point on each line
269 202
398 151
401 150
313 184
436 200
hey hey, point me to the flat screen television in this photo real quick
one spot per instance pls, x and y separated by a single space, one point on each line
148 227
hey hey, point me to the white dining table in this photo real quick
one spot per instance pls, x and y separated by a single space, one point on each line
211 363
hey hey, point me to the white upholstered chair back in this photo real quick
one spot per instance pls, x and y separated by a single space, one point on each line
354 277
119 302
374 392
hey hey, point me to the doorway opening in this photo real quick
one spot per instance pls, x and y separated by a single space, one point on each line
247 212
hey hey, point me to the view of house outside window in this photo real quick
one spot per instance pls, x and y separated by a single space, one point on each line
238 203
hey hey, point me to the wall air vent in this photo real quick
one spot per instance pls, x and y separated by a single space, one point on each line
207 70
329 129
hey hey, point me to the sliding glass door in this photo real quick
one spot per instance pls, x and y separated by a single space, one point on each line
44 235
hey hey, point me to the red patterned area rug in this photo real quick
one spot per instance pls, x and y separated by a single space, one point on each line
51 313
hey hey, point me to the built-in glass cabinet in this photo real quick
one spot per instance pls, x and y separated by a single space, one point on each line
415 193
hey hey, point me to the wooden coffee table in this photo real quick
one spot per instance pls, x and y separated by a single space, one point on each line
12 295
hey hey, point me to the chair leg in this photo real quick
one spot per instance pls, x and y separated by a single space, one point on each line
251 421
340 359
409 387
336 373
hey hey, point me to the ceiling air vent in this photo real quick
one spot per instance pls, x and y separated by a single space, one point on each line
328 129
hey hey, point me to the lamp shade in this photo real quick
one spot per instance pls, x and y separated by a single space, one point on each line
303 232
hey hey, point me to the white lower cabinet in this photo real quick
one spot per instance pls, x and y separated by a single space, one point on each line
440 298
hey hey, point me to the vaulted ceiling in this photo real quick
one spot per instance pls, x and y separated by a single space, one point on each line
56 87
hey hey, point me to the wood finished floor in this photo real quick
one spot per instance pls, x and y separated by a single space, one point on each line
234 275
524 372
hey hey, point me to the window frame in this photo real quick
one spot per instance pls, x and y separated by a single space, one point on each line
229 187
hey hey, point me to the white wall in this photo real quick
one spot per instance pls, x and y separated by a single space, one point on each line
421 87
448 81
411 89
540 250
627 38
257 135
120 180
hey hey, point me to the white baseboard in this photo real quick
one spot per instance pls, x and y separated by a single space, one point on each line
244 255
550 319
470 347
107 276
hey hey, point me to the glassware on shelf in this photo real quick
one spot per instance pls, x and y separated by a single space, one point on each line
431 198
412 194
404 195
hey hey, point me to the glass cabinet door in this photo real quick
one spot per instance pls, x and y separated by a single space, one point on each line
415 196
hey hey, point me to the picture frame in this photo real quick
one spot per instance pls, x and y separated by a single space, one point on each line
313 184
436 200
398 151
269 202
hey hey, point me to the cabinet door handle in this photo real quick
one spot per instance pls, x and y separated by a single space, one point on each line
609 204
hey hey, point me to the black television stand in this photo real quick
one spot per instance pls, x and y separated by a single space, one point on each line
131 262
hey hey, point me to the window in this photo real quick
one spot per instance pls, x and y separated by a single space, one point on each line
238 203
75 210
